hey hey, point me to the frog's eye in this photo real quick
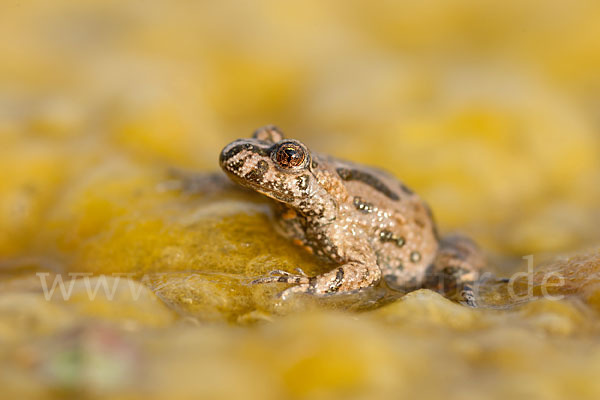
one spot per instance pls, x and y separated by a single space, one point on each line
290 155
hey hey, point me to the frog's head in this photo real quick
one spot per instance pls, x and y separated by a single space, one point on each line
269 164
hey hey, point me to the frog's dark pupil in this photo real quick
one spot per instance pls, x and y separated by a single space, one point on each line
290 156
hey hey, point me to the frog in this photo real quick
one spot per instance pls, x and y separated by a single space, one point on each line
371 227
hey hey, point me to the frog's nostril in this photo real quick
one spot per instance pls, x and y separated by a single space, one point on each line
223 156
230 151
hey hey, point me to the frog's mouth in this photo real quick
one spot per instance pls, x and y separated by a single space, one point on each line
268 189
273 194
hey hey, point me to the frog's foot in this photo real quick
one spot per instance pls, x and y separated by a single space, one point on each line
280 276
347 278
458 264
468 296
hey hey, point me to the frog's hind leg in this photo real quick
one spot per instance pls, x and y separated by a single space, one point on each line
456 268
346 278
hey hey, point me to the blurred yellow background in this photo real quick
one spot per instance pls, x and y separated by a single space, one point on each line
488 109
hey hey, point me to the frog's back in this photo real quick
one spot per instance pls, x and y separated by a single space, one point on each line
396 221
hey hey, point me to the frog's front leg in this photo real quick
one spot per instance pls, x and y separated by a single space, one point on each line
346 278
